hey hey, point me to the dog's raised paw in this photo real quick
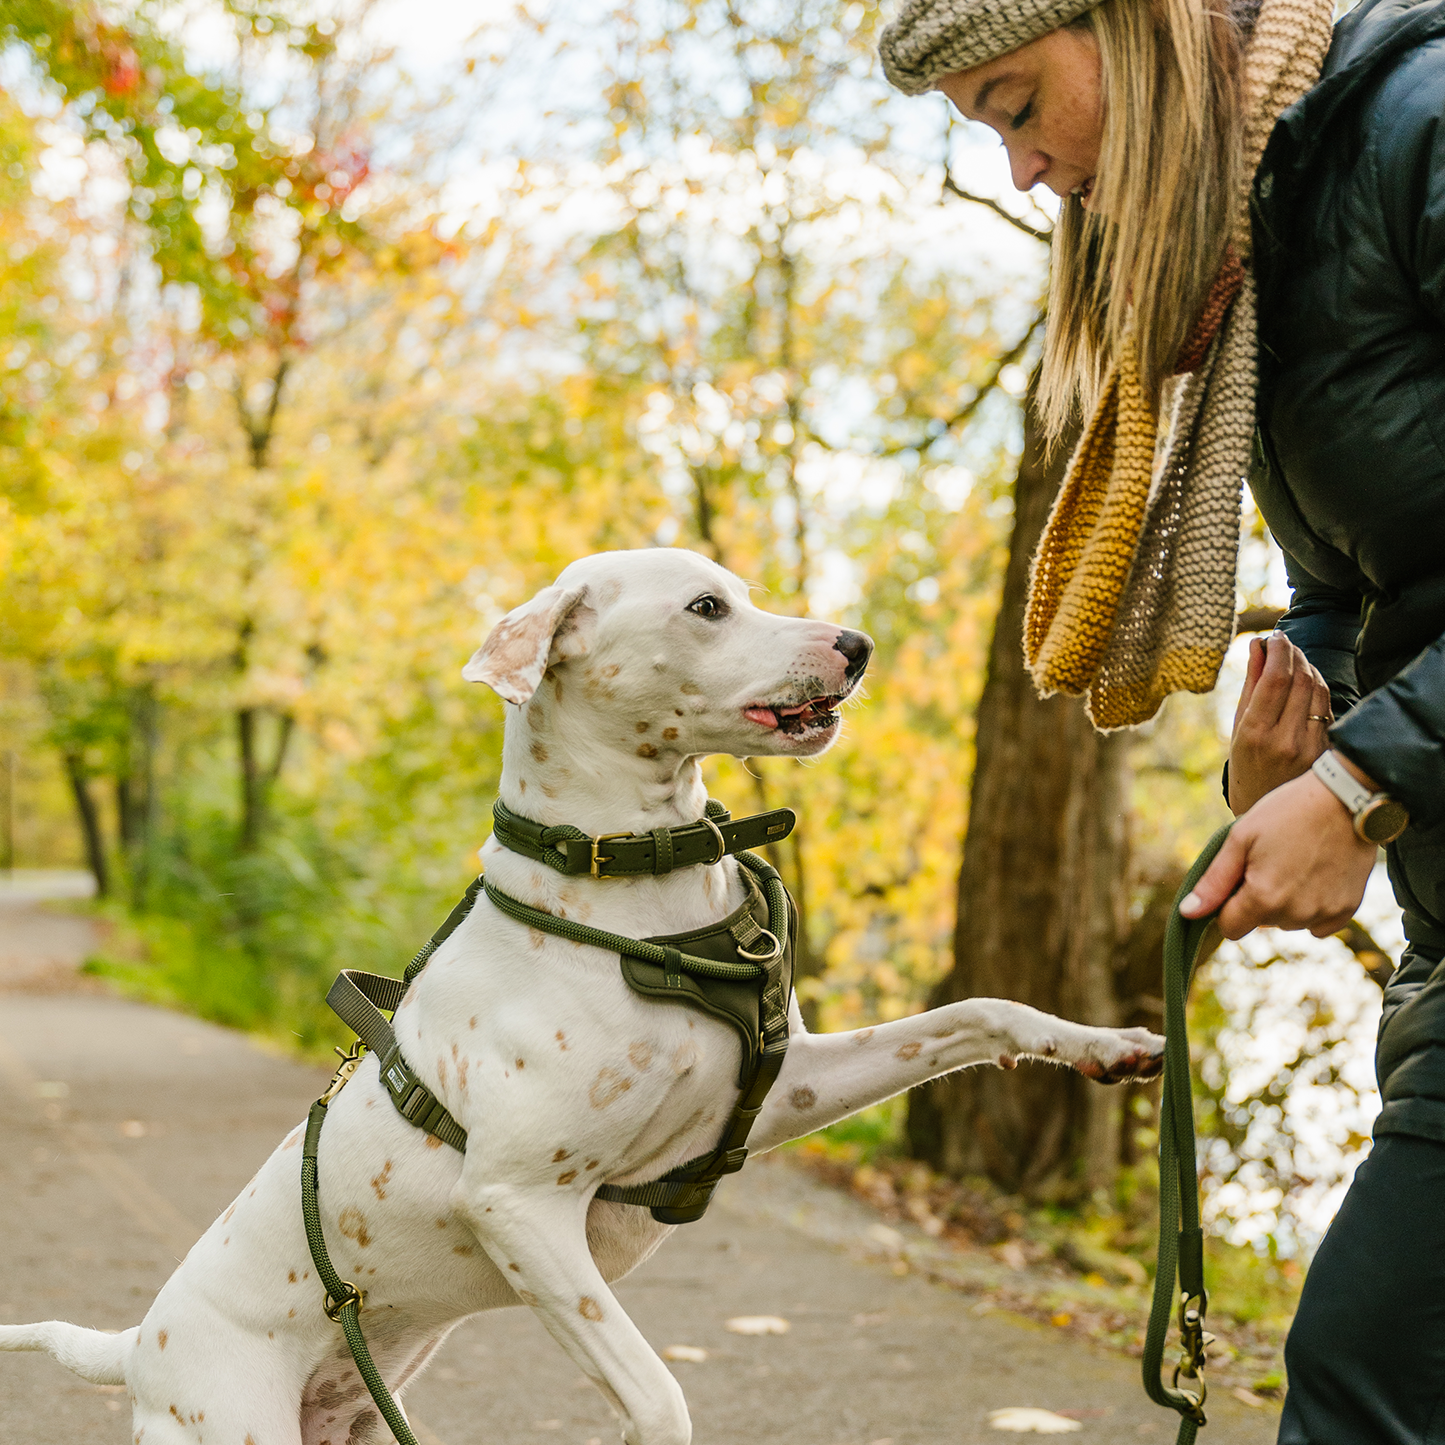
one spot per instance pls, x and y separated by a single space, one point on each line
1140 1055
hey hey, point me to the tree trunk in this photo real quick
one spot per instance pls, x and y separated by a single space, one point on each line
89 822
1040 903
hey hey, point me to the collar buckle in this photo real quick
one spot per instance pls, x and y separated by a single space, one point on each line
599 858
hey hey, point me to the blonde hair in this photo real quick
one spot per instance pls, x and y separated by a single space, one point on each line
1146 250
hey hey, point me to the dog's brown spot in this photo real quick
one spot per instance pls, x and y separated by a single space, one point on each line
162 1338
249 1440
527 1297
293 1139
516 1268
646 750
290 1314
607 1087
803 1098
176 1413
560 1155
593 1163
379 1183
567 1177
472 1022
691 689
589 1309
557 688
330 1395
669 734
270 1335
352 1224
441 1071
561 1041
548 791
642 727
539 753
536 717
946 1032
226 1217
441 1223
684 1057
521 785
465 1250
454 1053
462 1068
521 1063
909 1051
641 1055
862 1036
432 1142
677 712
612 669
290 1276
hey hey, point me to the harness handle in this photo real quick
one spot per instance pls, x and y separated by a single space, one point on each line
1181 1239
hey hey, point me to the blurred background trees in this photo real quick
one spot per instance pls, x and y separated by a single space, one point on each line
317 356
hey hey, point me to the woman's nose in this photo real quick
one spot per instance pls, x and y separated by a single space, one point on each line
1027 167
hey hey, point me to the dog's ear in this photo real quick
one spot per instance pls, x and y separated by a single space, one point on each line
553 627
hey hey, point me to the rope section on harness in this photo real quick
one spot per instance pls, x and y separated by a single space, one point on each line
1181 1240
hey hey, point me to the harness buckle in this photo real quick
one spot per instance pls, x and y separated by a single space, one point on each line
598 859
350 1062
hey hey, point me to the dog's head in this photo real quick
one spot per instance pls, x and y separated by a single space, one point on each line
666 650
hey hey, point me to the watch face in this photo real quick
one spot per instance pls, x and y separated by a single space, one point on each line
1382 821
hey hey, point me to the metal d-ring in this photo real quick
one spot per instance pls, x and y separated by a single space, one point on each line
762 957
722 845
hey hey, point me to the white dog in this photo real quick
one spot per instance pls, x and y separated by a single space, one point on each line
620 678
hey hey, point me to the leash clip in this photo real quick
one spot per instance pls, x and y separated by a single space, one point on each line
1194 1341
350 1295
598 859
350 1062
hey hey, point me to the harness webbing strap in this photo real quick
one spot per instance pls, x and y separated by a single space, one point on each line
627 855
1181 1240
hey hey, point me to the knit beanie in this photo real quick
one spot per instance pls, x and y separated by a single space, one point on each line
929 39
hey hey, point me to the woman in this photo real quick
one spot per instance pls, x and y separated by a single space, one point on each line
1252 231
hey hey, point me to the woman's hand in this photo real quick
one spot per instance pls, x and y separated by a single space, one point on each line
1280 723
1292 861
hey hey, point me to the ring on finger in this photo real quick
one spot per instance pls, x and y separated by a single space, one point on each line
1324 717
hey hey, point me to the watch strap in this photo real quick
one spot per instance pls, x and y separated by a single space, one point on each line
1343 783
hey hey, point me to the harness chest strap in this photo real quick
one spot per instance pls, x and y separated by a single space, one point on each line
683 1194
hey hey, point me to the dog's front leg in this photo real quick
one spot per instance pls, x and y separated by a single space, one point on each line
537 1237
826 1077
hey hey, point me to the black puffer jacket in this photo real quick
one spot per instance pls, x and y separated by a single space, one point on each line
1349 224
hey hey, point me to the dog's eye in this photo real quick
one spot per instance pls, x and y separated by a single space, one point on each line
708 606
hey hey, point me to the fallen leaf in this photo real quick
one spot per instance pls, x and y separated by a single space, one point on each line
882 1234
1012 1254
1025 1420
1248 1397
757 1325
690 1353
1062 1319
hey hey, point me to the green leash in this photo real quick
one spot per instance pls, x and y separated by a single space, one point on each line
1181 1240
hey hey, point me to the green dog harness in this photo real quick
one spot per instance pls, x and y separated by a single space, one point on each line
738 971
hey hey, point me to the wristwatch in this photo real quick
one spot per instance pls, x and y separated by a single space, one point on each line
1378 818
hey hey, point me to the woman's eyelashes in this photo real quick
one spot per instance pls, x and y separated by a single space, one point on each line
1023 116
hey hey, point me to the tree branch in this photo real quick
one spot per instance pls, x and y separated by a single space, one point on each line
952 187
1375 961
965 412
1257 619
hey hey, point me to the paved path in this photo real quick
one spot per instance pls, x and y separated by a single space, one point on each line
124 1129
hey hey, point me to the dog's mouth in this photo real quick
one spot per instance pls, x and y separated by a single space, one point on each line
816 715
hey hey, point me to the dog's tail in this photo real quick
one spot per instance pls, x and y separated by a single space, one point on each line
94 1355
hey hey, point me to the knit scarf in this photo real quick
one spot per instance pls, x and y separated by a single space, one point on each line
1132 592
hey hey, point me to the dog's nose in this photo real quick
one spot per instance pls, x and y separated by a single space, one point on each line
857 647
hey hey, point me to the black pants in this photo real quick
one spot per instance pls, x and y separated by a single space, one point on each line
1366 1353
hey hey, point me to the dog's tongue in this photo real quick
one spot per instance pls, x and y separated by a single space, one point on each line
764 715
